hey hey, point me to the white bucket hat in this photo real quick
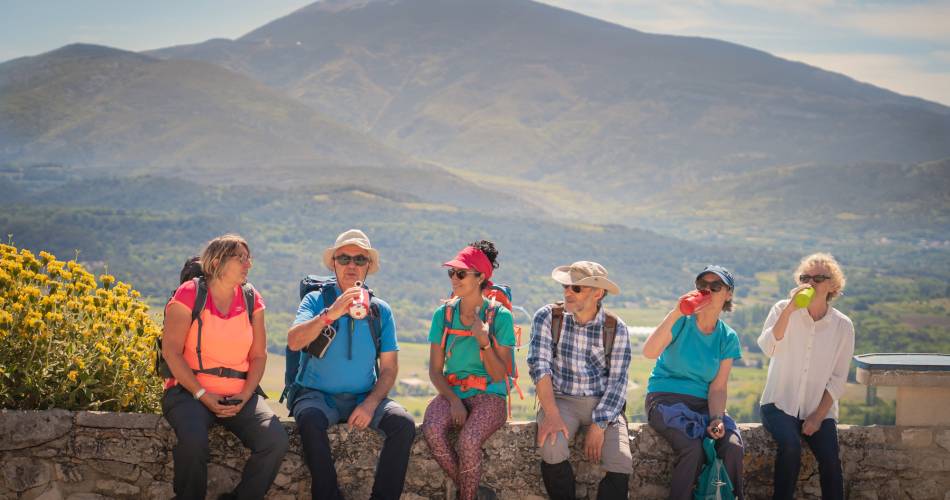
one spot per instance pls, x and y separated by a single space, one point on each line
585 273
352 237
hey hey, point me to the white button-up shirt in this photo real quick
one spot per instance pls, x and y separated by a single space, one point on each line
812 356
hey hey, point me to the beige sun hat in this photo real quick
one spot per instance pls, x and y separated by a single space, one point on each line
352 237
585 273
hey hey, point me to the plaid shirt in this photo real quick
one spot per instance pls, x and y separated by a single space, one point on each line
580 368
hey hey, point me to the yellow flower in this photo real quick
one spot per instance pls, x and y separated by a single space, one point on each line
73 374
107 280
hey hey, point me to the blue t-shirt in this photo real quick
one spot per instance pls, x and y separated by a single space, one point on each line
690 363
349 365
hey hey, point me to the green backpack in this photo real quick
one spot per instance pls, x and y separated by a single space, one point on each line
713 482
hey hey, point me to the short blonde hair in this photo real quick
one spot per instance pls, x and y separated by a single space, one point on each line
219 249
834 270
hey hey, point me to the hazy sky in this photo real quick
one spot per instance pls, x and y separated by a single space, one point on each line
903 46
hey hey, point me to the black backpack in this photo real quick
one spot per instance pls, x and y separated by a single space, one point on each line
192 271
327 288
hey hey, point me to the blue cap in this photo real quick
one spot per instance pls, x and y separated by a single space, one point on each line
720 271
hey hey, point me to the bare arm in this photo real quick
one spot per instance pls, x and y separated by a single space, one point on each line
662 336
177 324
256 356
388 369
302 334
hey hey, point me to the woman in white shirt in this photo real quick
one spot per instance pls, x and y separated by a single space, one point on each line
811 349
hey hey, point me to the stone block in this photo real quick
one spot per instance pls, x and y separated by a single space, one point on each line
26 429
112 488
917 437
86 496
943 439
52 493
129 449
23 473
159 491
112 420
119 470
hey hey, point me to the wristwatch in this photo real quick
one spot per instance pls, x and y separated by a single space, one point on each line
485 347
602 425
200 392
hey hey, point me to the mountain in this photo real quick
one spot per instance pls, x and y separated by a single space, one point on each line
514 87
97 106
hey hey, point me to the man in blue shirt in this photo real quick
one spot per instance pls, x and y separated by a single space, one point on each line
343 385
580 375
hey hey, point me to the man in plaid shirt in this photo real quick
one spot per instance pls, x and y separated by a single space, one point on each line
578 385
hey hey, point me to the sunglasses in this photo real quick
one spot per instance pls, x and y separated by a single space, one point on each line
344 259
574 288
461 273
818 278
713 286
242 258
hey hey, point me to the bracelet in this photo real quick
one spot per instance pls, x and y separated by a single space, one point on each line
485 347
200 392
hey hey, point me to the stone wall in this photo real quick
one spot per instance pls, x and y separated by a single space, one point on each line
85 455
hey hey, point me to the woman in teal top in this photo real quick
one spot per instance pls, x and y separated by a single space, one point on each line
470 349
688 385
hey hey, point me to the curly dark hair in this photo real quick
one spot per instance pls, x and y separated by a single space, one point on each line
487 248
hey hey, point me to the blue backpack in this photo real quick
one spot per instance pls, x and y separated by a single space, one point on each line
296 361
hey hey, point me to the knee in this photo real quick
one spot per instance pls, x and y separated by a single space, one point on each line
788 445
312 420
732 450
555 453
193 442
401 424
277 442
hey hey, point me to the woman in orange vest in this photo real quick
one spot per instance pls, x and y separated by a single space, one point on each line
471 340
217 362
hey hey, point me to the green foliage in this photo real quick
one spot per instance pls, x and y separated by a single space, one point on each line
66 342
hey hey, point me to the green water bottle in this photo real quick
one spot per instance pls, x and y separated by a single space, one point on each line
803 297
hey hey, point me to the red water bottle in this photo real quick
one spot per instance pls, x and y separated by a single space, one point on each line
359 308
693 300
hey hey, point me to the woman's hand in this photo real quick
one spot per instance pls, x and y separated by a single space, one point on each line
480 328
793 293
212 402
716 428
459 413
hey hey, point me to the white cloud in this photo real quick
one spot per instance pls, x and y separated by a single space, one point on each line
919 22
889 71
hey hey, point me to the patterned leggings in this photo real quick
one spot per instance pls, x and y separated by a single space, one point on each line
486 414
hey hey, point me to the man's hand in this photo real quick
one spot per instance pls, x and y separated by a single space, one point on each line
594 443
550 425
341 306
811 425
362 415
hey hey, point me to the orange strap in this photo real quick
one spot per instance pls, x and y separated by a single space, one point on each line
468 383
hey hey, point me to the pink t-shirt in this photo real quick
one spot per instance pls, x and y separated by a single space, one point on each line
225 339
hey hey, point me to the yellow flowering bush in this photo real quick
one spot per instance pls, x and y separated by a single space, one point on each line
68 341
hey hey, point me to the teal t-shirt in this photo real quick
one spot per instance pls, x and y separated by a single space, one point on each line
690 363
465 359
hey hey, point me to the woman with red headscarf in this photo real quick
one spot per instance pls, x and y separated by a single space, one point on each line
471 341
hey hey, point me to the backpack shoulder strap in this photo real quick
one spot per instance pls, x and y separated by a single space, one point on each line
448 312
610 333
201 296
248 290
375 324
557 321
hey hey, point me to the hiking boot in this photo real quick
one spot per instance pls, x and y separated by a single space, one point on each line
485 493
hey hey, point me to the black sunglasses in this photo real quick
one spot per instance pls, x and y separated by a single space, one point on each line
818 278
574 288
344 259
460 273
713 286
